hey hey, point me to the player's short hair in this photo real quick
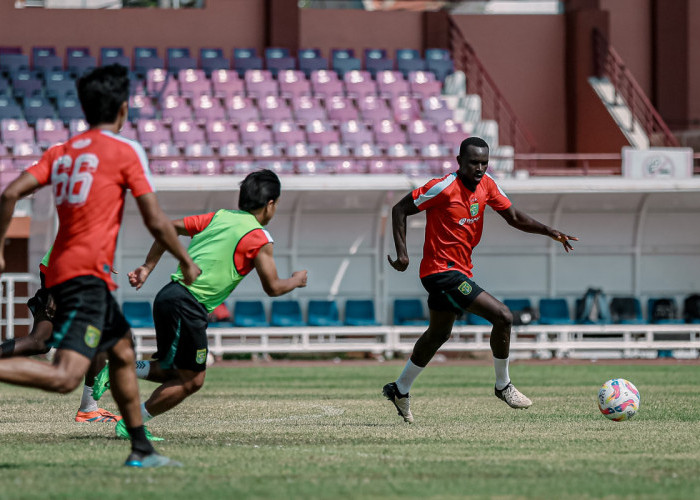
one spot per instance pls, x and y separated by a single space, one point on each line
102 91
257 189
477 142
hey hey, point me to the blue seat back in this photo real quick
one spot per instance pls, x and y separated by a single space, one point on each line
409 312
286 313
360 312
138 314
250 313
323 313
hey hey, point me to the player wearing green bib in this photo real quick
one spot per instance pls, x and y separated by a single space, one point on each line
226 245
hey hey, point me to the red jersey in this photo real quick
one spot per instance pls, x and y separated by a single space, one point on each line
455 220
90 174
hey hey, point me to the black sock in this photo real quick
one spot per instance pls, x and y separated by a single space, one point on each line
139 442
7 348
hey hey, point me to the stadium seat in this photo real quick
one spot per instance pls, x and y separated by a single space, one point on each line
554 312
193 83
523 312
409 312
220 132
178 58
50 132
439 62
286 313
423 84
344 60
14 130
26 84
79 60
391 84
323 313
36 107
377 60
141 106
174 107
273 108
249 313
211 59
311 60
245 59
160 83
259 84
307 109
278 59
59 84
359 312
138 314
45 59
293 84
114 55
226 84
359 84
146 58
626 310
668 315
12 63
476 320
408 60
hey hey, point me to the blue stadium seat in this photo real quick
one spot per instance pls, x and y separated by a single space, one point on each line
673 319
555 312
9 109
211 59
114 55
323 313
439 62
311 60
278 58
138 314
245 59
286 313
36 107
521 307
179 58
475 319
250 313
344 60
360 312
377 60
12 63
408 60
409 312
146 58
626 311
69 109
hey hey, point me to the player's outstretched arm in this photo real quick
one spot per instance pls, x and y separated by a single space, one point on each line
520 220
271 282
138 276
163 231
399 213
22 186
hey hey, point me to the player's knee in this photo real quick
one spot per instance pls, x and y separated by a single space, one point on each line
64 382
439 335
503 317
194 384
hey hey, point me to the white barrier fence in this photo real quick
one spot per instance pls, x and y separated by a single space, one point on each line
532 341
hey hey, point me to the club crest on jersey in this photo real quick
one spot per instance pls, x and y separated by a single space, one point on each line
465 288
474 209
201 356
92 336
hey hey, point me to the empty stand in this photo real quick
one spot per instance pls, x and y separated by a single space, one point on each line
138 314
250 313
409 312
286 313
323 313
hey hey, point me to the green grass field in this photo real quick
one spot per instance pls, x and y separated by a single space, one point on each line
304 431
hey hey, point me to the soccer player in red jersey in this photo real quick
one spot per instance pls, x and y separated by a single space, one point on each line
454 208
90 174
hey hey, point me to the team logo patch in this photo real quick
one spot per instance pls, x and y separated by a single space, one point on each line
474 209
92 336
201 356
465 288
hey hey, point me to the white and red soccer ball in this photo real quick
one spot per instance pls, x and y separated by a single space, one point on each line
618 399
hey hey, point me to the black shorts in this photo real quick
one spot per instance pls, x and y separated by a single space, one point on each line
181 329
450 291
87 318
42 305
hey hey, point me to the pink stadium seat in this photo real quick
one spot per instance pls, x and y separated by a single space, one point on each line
235 167
351 167
150 132
421 133
359 84
226 84
128 130
366 150
254 134
300 150
287 132
160 84
175 108
164 149
186 132
76 127
382 167
259 83
203 167
414 168
207 108
141 106
435 109
293 84
279 167
325 83
354 132
451 134
50 132
167 167
314 167
373 108
220 132
442 167
241 109
423 84
193 83
27 149
400 150
319 133
405 109
15 130
388 132
435 151
341 109
232 150
306 109
273 108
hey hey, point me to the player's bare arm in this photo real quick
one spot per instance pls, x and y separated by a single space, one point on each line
22 186
520 220
138 276
399 213
164 233
271 282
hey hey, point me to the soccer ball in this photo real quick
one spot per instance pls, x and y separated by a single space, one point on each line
618 399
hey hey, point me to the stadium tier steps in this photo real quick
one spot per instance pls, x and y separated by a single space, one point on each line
291 114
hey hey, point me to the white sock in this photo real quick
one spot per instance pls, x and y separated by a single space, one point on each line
87 402
502 376
143 368
408 375
144 413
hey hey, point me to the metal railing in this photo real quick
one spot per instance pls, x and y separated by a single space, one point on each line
9 300
608 64
493 104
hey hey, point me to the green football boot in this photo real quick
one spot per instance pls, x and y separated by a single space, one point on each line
101 383
122 433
